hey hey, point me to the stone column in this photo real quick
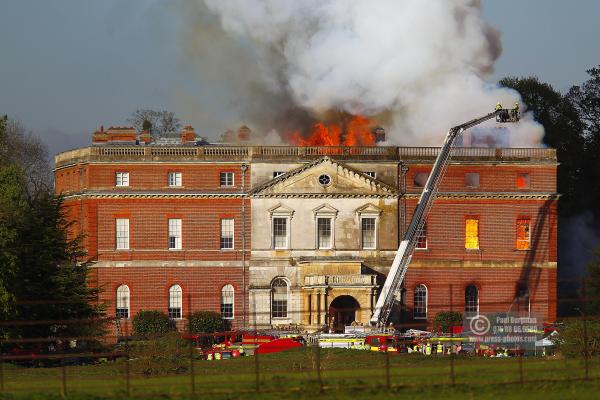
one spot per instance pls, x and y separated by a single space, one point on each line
322 307
313 308
306 309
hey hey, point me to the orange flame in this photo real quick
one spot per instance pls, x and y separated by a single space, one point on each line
356 132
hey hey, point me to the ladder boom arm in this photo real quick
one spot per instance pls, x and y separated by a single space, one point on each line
393 282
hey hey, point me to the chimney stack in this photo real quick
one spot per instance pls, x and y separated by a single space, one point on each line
188 135
243 133
379 134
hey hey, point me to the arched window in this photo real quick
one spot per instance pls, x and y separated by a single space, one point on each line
420 302
122 310
471 301
279 302
175 301
227 302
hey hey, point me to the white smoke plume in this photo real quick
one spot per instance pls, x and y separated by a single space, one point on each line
417 67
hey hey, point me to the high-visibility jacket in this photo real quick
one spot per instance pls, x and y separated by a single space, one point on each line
241 350
440 349
217 356
428 350
209 357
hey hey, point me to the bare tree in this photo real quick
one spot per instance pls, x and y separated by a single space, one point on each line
21 147
159 122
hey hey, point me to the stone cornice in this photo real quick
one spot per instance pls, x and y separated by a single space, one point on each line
153 195
490 196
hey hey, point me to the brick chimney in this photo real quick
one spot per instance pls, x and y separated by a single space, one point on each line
188 135
379 134
145 137
121 135
243 133
99 137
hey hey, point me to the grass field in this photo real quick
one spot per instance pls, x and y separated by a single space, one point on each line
343 374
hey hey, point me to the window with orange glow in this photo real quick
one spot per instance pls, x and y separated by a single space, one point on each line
523 181
523 234
471 233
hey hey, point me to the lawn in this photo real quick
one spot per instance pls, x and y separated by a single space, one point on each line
344 373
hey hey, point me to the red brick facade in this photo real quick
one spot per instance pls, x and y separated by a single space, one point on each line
201 267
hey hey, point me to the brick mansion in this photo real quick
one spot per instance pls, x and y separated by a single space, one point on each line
290 236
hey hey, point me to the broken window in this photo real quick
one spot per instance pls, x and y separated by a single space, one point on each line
523 234
420 179
523 180
472 179
422 237
472 233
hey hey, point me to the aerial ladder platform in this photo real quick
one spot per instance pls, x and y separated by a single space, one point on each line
393 282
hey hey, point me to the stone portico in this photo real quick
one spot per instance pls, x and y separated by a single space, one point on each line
332 282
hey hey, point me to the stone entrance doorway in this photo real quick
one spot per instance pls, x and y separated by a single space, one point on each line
342 312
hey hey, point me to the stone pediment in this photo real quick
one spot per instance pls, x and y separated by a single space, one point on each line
369 209
280 210
324 177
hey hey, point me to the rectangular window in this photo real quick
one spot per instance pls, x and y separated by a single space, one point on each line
523 181
122 178
472 233
174 234
227 233
422 238
472 179
280 233
420 179
368 233
371 174
227 179
174 178
324 233
277 174
122 225
523 234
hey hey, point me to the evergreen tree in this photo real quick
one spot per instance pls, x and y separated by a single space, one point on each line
563 131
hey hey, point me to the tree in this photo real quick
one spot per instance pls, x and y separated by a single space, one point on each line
592 285
445 320
586 100
150 323
41 274
52 283
23 149
563 131
158 122
207 322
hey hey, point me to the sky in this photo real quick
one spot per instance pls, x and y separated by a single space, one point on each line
68 66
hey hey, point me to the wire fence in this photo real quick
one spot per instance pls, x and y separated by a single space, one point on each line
142 366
